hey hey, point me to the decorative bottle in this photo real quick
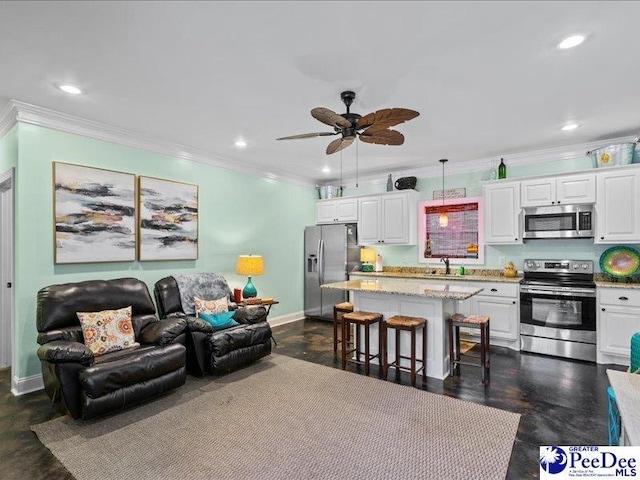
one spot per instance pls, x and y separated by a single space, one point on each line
389 184
502 169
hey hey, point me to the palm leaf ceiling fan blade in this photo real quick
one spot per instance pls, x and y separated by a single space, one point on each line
387 117
382 137
338 144
372 128
308 135
330 117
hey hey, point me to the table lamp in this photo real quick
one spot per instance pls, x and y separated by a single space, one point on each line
368 258
249 265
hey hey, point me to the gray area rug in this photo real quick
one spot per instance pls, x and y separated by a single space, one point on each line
284 418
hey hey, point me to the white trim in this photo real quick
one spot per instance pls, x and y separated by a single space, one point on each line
483 164
283 319
7 269
22 386
17 111
8 118
44 117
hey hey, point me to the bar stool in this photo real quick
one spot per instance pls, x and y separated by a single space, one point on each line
472 321
360 319
410 324
340 309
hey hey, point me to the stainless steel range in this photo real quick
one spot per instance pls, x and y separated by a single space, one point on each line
558 308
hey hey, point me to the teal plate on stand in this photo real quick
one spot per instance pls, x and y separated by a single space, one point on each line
620 262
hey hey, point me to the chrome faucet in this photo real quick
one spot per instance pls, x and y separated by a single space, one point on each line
447 270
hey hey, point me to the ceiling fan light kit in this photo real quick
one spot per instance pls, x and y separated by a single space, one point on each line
373 128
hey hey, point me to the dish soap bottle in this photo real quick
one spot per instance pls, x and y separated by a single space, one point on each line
502 169
389 184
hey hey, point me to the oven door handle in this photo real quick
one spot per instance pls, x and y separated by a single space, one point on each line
551 293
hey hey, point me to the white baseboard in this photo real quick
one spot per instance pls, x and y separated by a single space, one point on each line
282 319
22 386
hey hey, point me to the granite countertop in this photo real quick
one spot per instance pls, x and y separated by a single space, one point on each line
627 389
389 286
477 275
603 280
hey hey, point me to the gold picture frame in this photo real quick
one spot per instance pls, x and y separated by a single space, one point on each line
94 214
168 217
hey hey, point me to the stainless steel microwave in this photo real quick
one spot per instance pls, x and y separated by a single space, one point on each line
559 221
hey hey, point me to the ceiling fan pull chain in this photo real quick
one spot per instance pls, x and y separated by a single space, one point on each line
357 165
340 169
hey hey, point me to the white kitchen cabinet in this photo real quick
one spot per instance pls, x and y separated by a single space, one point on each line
500 301
502 213
618 206
576 189
341 210
388 219
569 189
618 320
541 191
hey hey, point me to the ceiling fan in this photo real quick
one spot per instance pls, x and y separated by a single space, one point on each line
372 128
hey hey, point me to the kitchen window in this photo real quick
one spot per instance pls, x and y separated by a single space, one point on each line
460 240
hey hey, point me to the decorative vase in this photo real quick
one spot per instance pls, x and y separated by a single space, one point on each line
249 290
510 270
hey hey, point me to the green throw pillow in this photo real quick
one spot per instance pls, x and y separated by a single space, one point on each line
219 320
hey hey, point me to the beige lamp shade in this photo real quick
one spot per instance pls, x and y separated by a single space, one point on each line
249 265
368 255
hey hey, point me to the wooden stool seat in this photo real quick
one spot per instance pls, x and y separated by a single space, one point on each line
411 324
455 357
402 321
474 319
340 309
345 307
364 319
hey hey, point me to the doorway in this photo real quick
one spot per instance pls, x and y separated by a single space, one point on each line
6 268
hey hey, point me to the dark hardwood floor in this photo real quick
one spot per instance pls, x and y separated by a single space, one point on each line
562 402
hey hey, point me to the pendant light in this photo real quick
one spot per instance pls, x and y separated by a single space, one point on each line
444 220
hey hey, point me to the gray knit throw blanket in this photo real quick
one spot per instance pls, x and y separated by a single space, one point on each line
208 286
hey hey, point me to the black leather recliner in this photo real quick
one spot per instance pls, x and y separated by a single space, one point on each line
85 386
218 351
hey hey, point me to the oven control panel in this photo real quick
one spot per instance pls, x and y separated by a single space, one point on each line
558 266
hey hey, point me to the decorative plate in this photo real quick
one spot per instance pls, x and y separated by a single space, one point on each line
620 262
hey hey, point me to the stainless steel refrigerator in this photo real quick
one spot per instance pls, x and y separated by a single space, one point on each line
330 253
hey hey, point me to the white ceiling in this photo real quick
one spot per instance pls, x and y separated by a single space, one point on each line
485 76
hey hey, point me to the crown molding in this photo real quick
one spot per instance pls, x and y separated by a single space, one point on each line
8 118
16 111
22 112
483 164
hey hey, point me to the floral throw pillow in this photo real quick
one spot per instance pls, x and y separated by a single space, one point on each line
211 306
107 331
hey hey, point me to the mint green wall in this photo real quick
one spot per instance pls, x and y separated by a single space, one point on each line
239 214
9 150
582 249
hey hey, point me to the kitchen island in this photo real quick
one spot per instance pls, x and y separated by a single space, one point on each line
391 297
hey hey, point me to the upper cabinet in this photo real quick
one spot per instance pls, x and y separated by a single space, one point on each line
568 189
502 213
388 219
342 210
618 206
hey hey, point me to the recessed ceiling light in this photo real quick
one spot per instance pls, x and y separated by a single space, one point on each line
326 170
70 89
570 42
570 126
240 143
